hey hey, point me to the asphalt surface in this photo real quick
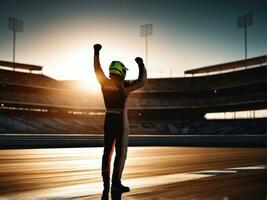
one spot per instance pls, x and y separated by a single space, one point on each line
152 173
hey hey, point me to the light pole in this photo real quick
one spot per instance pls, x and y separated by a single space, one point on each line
245 21
146 30
15 25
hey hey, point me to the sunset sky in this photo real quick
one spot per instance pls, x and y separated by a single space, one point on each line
59 34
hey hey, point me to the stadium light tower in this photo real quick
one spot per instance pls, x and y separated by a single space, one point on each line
15 25
146 30
245 21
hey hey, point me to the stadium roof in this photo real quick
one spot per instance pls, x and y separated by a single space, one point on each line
20 65
230 65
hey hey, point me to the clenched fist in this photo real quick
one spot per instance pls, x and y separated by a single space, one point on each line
139 60
97 48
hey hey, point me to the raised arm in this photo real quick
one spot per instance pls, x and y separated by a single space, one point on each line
130 86
98 70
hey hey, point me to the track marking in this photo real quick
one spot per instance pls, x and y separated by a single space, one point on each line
228 171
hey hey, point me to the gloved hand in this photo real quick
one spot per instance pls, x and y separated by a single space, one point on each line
97 48
139 60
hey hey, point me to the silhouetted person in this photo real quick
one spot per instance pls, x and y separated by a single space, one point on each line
115 92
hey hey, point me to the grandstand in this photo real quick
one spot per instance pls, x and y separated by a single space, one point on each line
33 103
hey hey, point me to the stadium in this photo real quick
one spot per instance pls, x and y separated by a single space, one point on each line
38 111
170 128
33 104
188 77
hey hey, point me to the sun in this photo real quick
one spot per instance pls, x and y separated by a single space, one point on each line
90 84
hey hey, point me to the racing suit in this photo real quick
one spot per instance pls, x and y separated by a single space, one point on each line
116 125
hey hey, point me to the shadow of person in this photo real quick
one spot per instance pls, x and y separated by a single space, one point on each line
116 195
105 195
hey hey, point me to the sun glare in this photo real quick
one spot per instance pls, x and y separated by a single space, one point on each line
91 84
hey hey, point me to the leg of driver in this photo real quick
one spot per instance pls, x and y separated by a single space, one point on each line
121 154
109 142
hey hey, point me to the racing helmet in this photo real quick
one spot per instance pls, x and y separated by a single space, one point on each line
117 67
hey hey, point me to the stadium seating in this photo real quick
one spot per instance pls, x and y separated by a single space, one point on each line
25 123
196 94
29 79
208 82
196 102
177 92
30 124
202 127
51 99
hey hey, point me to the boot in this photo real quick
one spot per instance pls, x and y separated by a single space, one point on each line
117 186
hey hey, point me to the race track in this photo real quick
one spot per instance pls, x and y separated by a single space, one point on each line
151 172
